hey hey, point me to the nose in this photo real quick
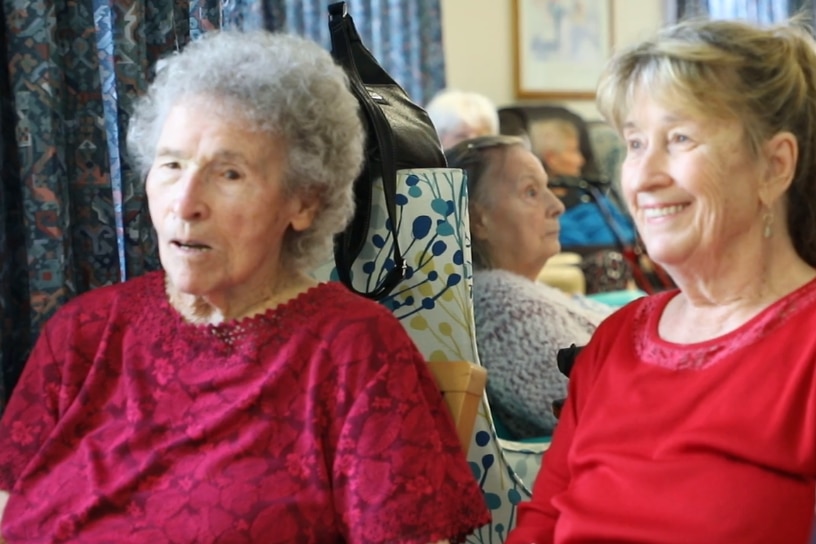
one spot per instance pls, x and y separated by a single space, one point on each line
189 202
646 169
555 208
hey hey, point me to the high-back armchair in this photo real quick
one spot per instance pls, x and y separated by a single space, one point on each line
434 303
516 120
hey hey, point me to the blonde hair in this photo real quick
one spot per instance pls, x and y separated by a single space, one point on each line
764 77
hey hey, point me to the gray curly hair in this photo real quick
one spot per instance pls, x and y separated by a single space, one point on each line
284 86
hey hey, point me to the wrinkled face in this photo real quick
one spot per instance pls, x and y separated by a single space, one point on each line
691 184
520 221
218 205
567 161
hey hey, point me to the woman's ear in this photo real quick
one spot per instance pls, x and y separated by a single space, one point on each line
305 208
781 154
478 221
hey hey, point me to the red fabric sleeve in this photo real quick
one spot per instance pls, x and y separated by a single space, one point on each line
399 472
31 413
537 517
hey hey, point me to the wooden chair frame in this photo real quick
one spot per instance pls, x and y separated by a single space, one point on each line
463 384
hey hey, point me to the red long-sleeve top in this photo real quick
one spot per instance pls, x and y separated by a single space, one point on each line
713 442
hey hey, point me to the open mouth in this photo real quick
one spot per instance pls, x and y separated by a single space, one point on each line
190 246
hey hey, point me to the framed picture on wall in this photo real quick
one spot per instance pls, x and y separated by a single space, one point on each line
561 47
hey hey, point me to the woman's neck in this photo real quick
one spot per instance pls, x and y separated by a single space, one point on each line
713 304
203 310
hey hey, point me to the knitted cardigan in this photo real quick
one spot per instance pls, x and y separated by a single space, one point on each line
520 326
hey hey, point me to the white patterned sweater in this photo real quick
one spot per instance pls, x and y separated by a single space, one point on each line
520 326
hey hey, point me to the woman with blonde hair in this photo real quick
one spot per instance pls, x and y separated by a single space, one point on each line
690 414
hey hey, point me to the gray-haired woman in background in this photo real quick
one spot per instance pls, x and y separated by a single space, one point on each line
521 324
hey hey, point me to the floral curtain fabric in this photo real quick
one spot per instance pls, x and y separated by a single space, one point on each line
72 209
405 37
73 214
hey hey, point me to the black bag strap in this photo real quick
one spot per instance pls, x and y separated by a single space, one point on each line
604 206
352 55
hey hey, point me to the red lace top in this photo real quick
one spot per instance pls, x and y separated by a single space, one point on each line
315 422
712 442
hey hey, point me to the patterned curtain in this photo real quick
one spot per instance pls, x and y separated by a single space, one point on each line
72 210
760 11
404 36
73 214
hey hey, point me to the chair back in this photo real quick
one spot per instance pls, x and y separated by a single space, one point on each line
517 120
609 150
435 304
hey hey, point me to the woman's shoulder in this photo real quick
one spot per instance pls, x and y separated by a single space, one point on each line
332 300
638 310
490 284
504 288
636 321
127 296
85 317
497 277
333 310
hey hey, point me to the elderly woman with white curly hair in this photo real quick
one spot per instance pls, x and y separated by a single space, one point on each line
230 397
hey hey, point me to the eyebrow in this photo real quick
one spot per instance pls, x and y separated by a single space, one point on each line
220 155
666 119
545 181
167 151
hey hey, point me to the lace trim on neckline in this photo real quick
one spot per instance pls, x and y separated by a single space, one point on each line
652 349
232 331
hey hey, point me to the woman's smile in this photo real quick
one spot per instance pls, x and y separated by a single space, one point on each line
661 213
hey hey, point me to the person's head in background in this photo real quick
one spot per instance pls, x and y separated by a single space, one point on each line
459 115
514 217
714 115
557 143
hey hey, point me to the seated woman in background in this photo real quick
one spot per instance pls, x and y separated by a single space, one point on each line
556 143
520 324
691 414
229 397
592 224
592 218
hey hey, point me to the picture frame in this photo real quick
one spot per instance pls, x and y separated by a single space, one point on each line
561 47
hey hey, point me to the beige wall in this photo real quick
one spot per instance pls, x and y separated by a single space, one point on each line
479 51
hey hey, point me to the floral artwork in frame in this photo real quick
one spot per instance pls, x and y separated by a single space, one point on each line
561 47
